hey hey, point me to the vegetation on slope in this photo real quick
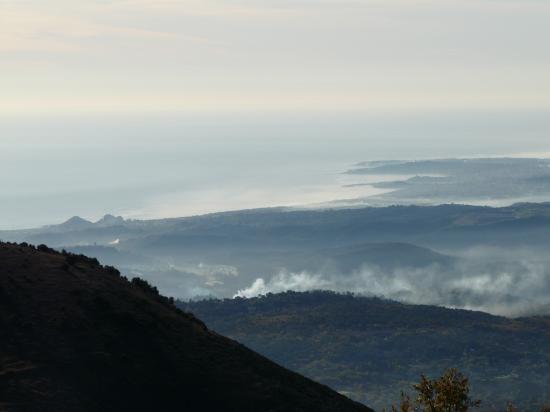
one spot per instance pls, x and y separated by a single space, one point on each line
369 348
76 336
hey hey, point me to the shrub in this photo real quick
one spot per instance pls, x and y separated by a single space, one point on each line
448 393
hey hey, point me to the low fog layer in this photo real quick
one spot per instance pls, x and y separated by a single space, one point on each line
509 289
492 259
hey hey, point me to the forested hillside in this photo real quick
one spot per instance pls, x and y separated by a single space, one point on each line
371 348
76 336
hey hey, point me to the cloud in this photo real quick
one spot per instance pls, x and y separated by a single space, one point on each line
30 31
509 289
205 8
299 282
259 55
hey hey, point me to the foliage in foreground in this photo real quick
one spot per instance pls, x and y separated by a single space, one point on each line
448 393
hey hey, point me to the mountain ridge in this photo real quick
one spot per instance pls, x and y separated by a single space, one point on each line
78 336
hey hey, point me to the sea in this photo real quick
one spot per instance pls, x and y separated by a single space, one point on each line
151 165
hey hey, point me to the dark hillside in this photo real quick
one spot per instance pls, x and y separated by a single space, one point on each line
75 336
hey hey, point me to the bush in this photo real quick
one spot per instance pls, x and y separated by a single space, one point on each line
448 393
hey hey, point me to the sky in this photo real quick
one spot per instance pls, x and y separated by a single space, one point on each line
112 56
157 108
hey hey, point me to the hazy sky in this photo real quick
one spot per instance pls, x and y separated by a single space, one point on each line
64 56
152 108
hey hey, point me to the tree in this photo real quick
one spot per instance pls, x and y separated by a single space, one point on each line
448 393
406 404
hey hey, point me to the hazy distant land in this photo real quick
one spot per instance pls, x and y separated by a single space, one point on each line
483 181
491 259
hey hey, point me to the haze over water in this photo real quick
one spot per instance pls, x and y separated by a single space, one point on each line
158 166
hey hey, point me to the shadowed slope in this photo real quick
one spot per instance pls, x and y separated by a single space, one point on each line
76 336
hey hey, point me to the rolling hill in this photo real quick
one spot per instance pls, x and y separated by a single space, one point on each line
371 348
78 336
223 253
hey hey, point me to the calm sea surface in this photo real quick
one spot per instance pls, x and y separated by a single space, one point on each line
52 168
